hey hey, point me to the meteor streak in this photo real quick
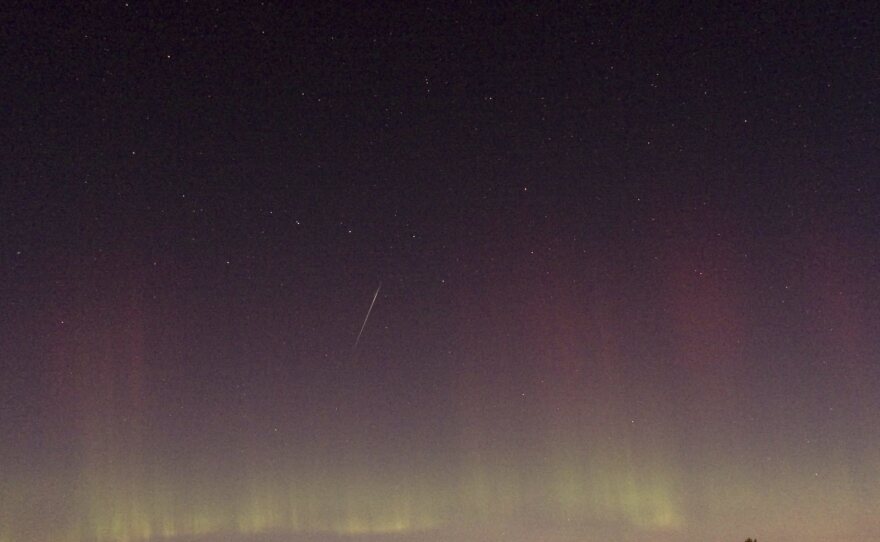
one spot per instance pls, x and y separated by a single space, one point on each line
367 317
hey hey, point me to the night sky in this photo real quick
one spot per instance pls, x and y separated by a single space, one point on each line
627 261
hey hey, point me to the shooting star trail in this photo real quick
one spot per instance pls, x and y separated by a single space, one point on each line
364 325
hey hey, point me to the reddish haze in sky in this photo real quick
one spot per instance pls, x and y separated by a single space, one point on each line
628 264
